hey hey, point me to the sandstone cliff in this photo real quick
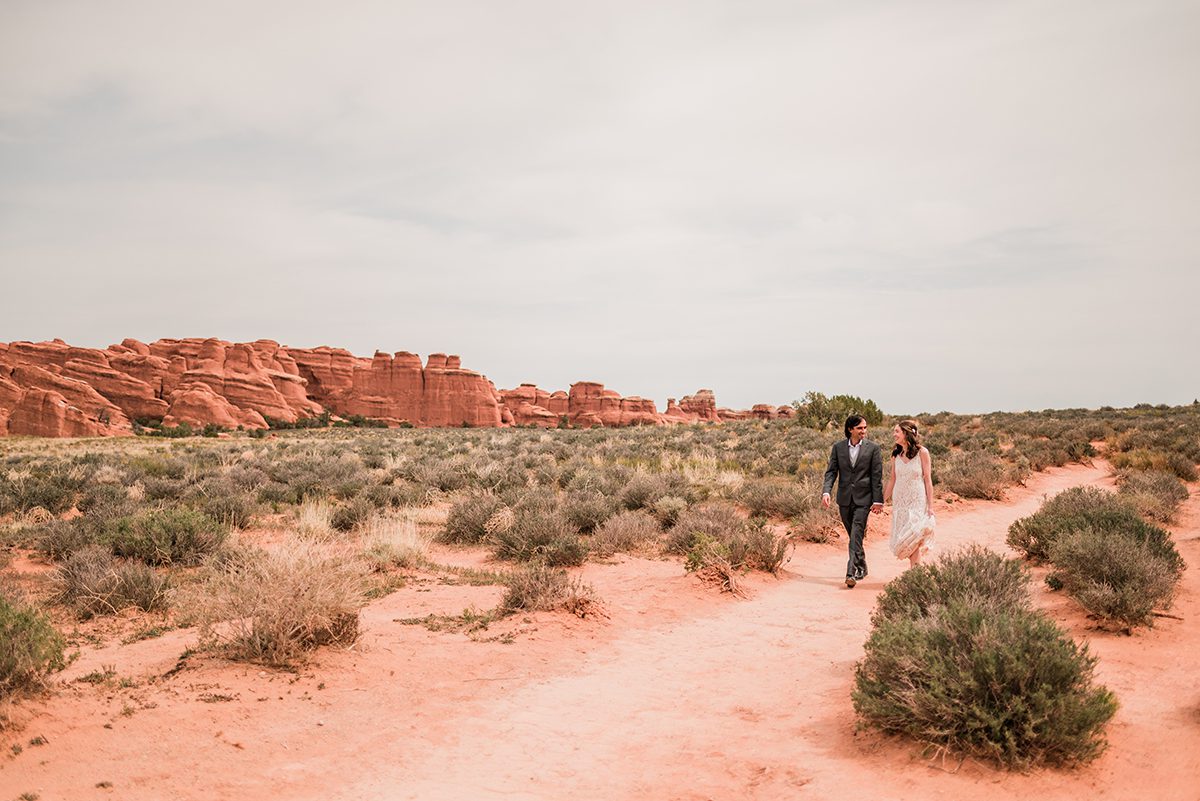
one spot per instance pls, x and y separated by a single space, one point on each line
55 390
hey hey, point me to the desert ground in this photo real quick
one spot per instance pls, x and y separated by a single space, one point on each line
676 691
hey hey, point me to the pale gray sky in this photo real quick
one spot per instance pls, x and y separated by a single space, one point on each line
940 205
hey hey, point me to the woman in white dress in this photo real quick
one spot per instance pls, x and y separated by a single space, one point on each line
910 489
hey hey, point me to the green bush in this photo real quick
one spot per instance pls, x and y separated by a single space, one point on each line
1004 684
974 575
30 647
773 498
1118 578
668 508
166 535
1081 508
718 521
643 490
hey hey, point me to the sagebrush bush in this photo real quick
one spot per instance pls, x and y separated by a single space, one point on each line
30 646
1164 461
541 588
166 535
541 536
625 532
717 520
643 490
1004 684
1119 578
466 523
587 509
1156 494
275 606
92 582
973 575
1082 508
772 498
347 516
973 475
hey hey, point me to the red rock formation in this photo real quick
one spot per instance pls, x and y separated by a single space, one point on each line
762 411
703 404
198 405
54 389
454 396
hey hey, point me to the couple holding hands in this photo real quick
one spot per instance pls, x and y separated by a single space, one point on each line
856 464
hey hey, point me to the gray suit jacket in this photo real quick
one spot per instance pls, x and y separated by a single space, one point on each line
860 484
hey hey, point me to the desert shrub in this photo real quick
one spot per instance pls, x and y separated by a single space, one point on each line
1147 459
1154 493
623 532
164 489
1117 577
53 488
274 606
166 535
710 560
719 521
541 588
668 508
587 509
234 509
102 496
1004 684
642 490
540 536
972 475
974 575
30 647
396 495
61 538
347 516
93 582
275 492
758 548
466 523
1081 508
768 498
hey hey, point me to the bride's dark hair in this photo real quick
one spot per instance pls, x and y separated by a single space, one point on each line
912 439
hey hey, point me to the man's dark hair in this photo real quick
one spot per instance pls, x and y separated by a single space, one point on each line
851 422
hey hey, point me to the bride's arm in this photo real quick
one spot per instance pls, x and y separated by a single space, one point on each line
927 475
891 483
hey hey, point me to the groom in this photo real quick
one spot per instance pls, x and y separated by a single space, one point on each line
857 465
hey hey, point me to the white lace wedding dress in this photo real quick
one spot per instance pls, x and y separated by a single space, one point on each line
912 528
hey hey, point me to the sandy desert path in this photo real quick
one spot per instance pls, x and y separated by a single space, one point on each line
682 693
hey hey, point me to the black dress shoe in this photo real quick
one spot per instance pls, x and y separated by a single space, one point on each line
851 581
861 574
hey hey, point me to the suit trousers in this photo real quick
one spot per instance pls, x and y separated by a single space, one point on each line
854 518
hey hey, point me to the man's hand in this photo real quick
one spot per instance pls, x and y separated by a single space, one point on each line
825 500
876 508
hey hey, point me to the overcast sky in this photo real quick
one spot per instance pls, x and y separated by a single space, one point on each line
939 205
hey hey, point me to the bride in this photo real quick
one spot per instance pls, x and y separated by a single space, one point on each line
912 509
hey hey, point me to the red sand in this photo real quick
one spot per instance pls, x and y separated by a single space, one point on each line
682 693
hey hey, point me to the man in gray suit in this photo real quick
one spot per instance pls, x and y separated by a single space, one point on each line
857 465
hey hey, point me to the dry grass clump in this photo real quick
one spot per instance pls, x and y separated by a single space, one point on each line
314 519
541 588
93 582
274 606
958 659
393 542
